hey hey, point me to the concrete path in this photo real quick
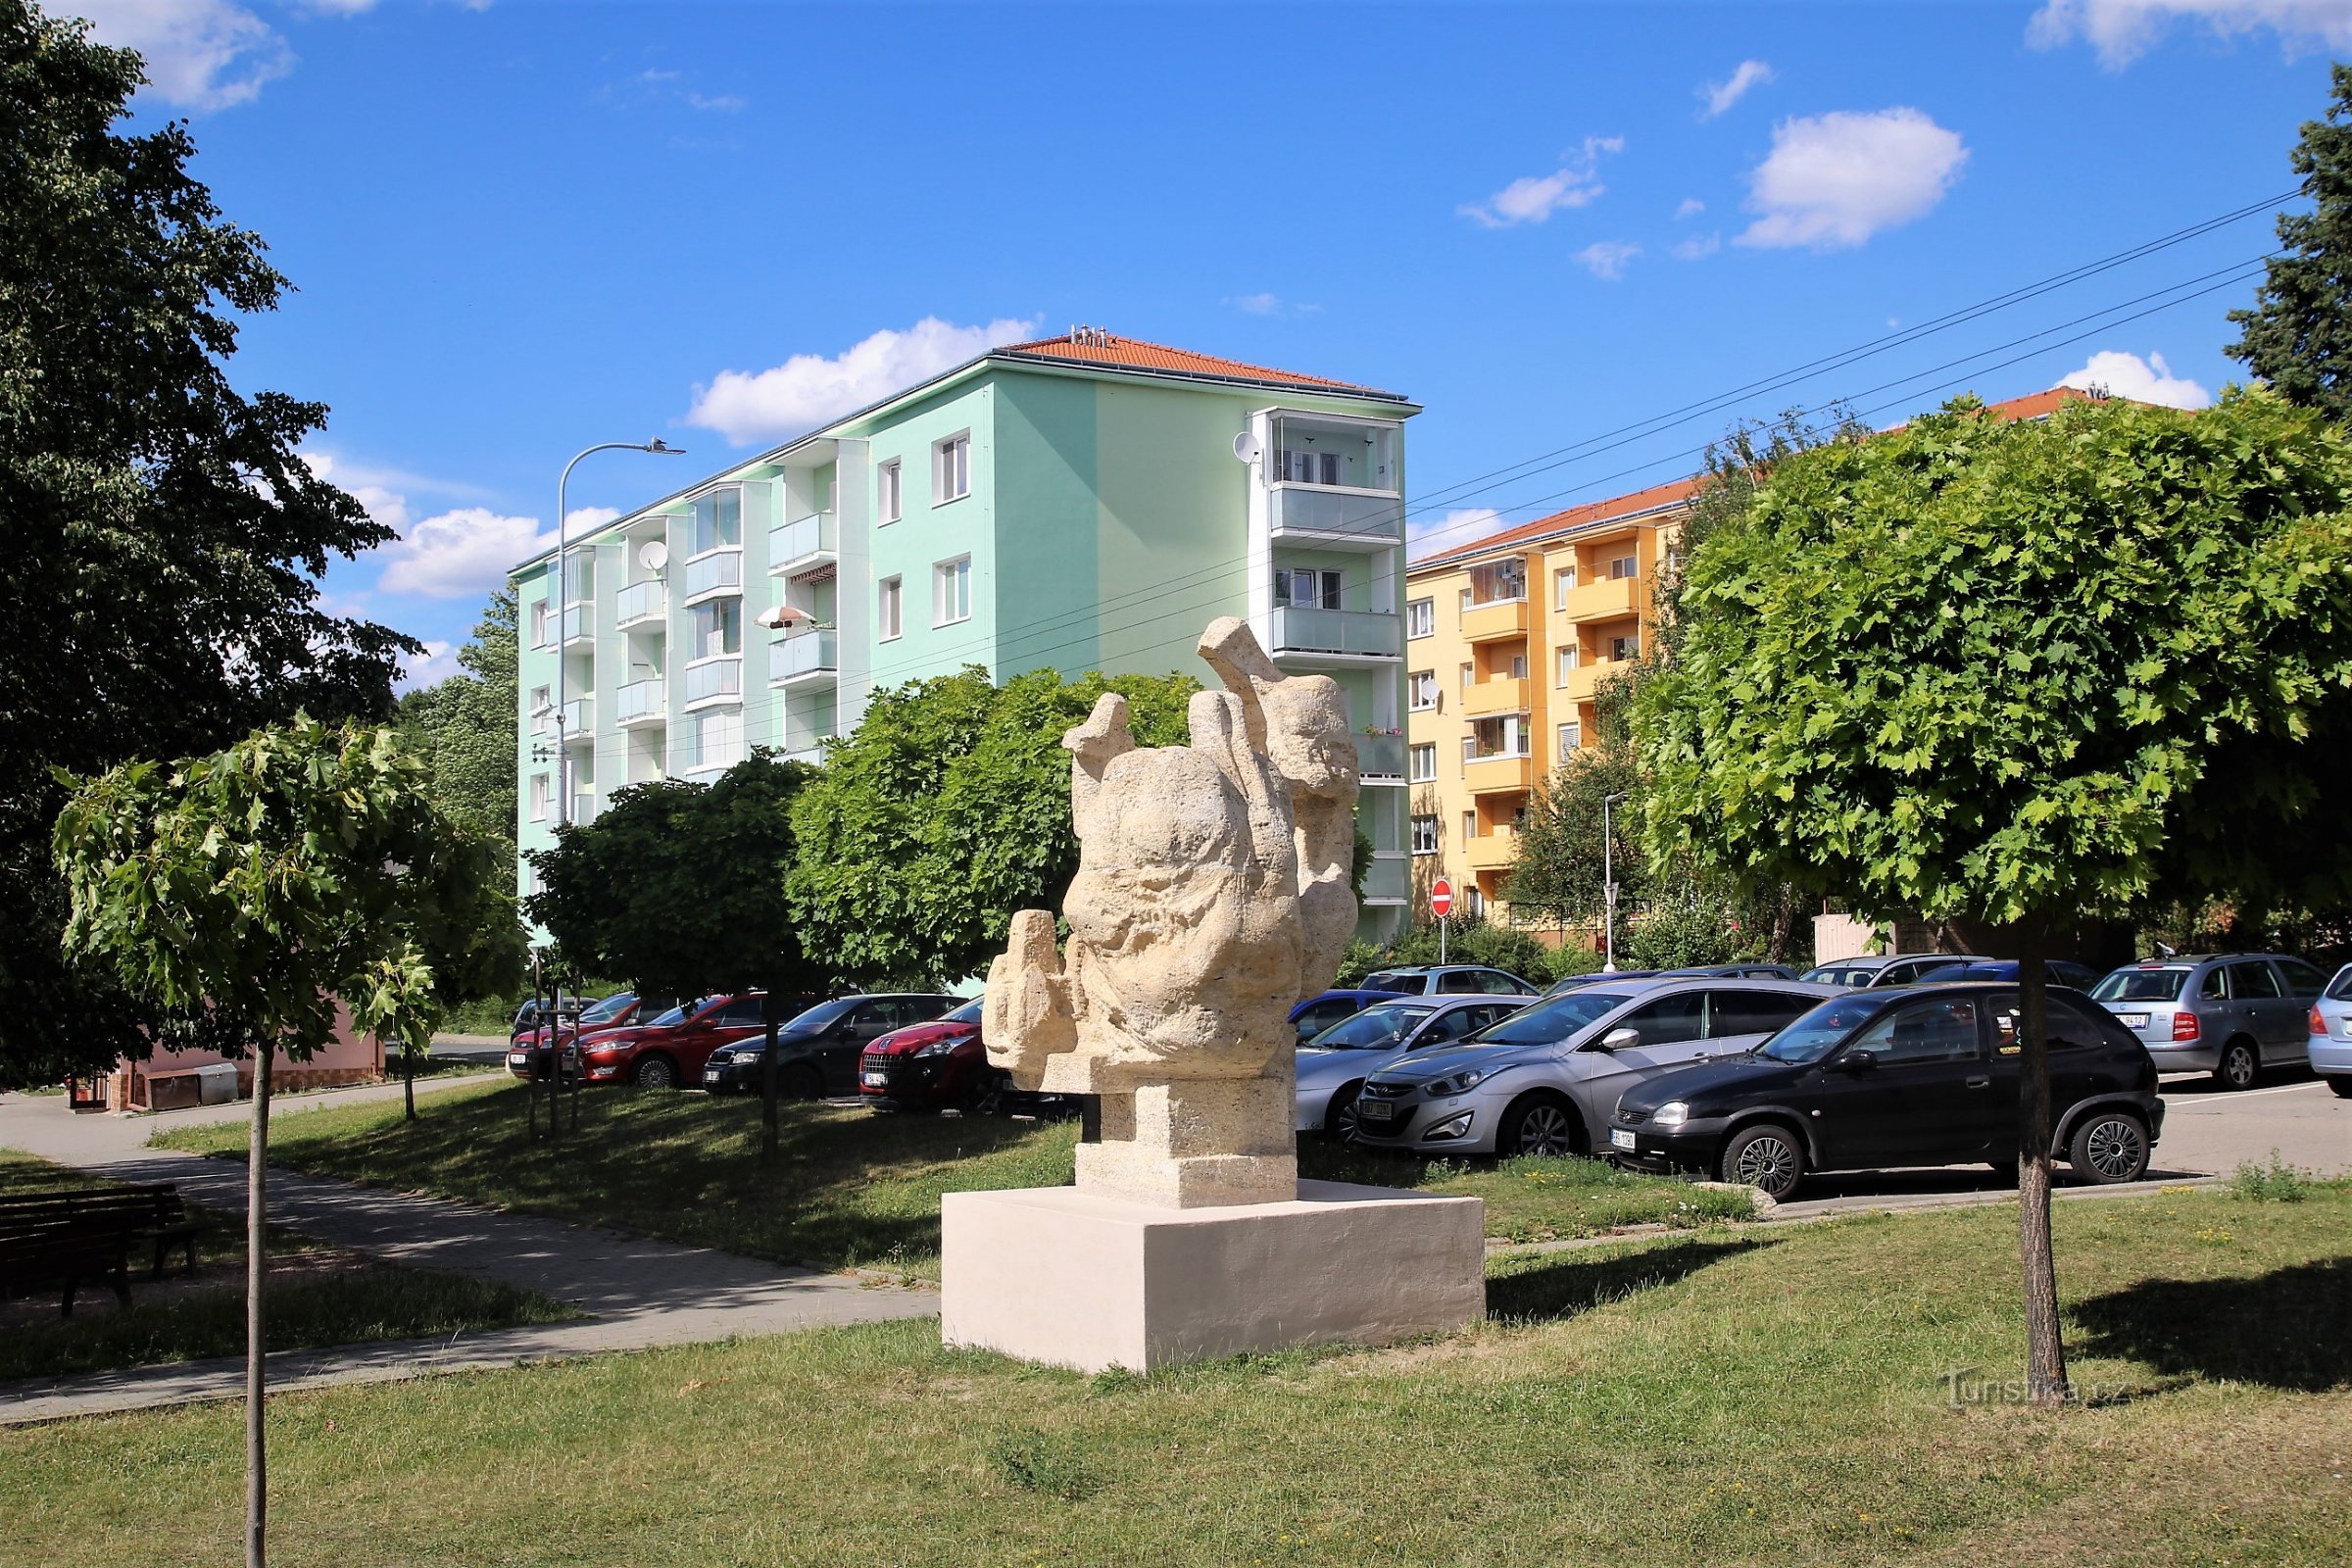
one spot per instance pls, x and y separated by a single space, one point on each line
638 1292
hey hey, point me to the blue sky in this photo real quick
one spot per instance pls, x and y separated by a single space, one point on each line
517 228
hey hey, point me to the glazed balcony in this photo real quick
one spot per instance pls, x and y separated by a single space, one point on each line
718 573
1380 758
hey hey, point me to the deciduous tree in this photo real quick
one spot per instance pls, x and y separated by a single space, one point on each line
2298 334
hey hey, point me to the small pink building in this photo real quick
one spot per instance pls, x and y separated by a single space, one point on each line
168 1078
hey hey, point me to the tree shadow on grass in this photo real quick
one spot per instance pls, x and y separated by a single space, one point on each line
2289 1329
1563 1285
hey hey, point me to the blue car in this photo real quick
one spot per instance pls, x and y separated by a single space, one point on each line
1319 1012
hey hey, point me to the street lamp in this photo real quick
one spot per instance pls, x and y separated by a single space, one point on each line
1609 884
658 447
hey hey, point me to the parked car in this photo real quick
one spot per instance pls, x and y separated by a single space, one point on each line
1448 980
1333 1065
2331 1033
1884 969
2230 1014
668 1051
2061 972
1544 1080
615 1011
1736 971
1319 1012
527 1016
818 1051
1578 982
1885 1078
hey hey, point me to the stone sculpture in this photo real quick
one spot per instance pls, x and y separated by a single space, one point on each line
1213 891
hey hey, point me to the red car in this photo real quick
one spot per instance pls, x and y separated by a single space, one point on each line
615 1011
942 1065
670 1049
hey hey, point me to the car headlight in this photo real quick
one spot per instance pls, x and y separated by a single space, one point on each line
939 1048
1455 1083
1673 1113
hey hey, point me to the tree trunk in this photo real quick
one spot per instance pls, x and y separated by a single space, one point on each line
2046 1351
257 1210
408 1076
769 1075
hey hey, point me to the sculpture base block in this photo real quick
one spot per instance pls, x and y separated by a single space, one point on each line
1075 1279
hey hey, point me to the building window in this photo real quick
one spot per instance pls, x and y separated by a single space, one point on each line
538 797
539 699
1466 601
1624 648
1499 581
714 740
539 637
1571 736
887 497
1424 760
951 591
1425 835
1306 465
716 628
1421 617
886 617
1470 748
1566 659
1563 583
1519 667
951 468
1421 687
1298 588
1623 567
1469 826
1469 674
1475 901
530 880
717 522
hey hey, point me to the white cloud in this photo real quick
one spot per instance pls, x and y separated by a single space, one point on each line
460 554
2128 376
2121 31
725 103
1257 304
1698 247
1834 180
1692 207
372 490
808 389
1605 259
440 662
1460 526
199 54
1719 96
1536 197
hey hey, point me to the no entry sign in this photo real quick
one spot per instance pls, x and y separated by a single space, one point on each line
1441 897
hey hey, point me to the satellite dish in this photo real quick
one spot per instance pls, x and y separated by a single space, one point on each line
1245 447
652 555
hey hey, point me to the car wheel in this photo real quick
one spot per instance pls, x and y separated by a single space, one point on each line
2110 1146
655 1072
2343 1087
800 1081
1768 1158
2239 1067
1537 1124
1339 1119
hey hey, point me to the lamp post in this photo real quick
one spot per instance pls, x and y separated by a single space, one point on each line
1609 882
564 601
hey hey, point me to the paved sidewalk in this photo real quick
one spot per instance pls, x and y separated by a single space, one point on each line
638 1292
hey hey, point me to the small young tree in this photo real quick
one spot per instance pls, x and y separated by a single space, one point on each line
255 889
680 887
2024 673
2298 335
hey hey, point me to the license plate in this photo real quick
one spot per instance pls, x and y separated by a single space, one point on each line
876 1080
2134 1020
517 1059
2348 1028
1619 1138
709 1075
1376 1111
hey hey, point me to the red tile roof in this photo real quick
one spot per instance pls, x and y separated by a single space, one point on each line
1090 345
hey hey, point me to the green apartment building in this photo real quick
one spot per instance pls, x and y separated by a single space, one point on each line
1085 502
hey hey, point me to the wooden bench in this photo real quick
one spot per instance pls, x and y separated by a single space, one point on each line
70 1239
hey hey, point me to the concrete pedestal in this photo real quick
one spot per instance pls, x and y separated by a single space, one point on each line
1074 1279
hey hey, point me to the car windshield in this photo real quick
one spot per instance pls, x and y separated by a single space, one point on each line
1550 1022
2141 985
1395 980
1377 1028
969 1013
609 1009
1811 1036
823 1015
675 1015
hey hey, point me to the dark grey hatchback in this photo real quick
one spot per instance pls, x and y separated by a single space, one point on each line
1894 1078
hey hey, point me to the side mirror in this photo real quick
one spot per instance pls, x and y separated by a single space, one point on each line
1619 1039
1860 1061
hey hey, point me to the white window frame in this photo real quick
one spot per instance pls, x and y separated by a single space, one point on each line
890 492
1421 617
1632 564
1571 737
890 610
539 623
958 572
1563 583
1422 684
1564 661
1421 763
1424 844
952 465
540 794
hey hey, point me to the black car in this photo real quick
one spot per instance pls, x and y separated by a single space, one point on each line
1925 1076
817 1052
2060 973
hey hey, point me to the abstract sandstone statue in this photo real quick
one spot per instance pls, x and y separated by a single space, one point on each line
1213 891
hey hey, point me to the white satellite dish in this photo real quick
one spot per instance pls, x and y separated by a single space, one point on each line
652 555
1245 447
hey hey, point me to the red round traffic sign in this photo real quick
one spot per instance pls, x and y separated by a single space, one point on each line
1440 897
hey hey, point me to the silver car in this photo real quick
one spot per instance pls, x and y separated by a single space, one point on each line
1884 969
2331 1040
1333 1065
1542 1080
2230 1014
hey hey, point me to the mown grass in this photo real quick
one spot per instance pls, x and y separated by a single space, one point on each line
311 1307
852 1188
1722 1398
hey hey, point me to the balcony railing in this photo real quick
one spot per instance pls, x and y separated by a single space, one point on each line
1387 881
1367 633
642 701
1496 850
715 573
1346 518
714 678
579 624
579 718
698 754
641 601
1495 619
1499 772
808 656
1499 694
1380 758
805 542
584 810
1605 600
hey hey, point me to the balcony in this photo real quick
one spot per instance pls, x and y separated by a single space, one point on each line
1586 679
1503 694
1494 851
1500 774
1610 599
1380 758
579 720
579 625
1389 880
639 602
584 810
718 573
1336 520
803 545
809 657
641 702
1344 634
1496 620
715 680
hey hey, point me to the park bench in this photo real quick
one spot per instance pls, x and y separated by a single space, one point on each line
70 1239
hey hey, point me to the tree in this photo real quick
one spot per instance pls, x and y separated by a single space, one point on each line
947 811
254 887
679 886
464 726
1561 863
163 536
2024 673
2298 335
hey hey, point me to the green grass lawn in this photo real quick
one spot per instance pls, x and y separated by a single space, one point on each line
854 1188
1727 1396
312 1305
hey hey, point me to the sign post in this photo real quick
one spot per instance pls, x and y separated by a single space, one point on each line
1441 904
